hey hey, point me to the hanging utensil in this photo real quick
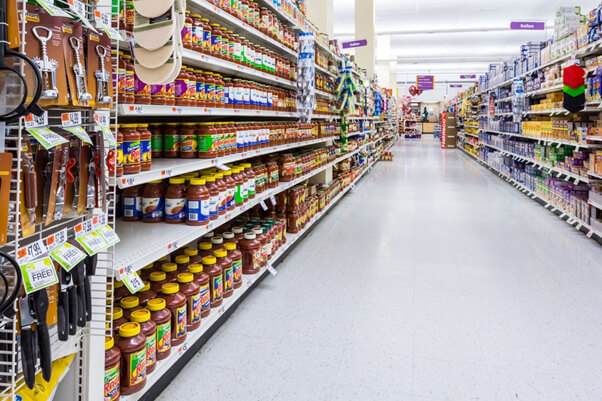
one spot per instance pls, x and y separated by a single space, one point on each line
102 78
46 65
80 76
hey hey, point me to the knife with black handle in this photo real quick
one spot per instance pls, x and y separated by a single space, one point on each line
28 355
40 307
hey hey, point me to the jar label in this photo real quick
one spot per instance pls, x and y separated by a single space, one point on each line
230 198
171 143
151 350
141 88
187 33
256 258
213 204
237 271
205 298
164 337
220 93
207 40
175 209
122 80
181 90
217 288
210 92
181 321
264 253
120 155
170 90
197 210
197 35
188 144
200 91
131 208
216 43
196 308
129 82
112 383
137 367
131 153
152 208
157 143
146 150
228 279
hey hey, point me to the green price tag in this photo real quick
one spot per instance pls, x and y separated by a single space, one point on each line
38 275
92 243
47 138
53 10
109 136
80 132
133 282
67 256
108 234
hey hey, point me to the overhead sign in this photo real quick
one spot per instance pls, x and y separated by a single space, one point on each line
425 82
355 43
468 76
455 85
528 26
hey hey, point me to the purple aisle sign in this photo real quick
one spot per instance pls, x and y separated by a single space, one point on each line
455 85
528 25
425 82
355 43
468 76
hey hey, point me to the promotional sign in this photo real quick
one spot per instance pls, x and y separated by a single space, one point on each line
355 43
443 130
528 26
455 85
425 82
468 76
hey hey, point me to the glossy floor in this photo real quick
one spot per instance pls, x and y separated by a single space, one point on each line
433 280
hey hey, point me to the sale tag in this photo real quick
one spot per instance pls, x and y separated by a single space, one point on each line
57 239
562 216
31 252
81 133
68 256
99 221
104 21
33 121
47 138
133 282
590 234
38 275
92 243
273 200
263 205
578 228
71 119
108 234
271 269
53 10
82 228
125 271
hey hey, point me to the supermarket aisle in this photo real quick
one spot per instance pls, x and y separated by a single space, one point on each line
434 280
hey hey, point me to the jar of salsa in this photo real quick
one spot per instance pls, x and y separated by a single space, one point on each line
202 279
210 91
145 147
117 319
187 31
230 190
236 257
129 79
128 305
216 40
131 148
215 280
112 370
193 255
206 44
197 33
146 294
223 193
225 43
198 202
227 88
191 86
201 95
175 301
209 141
175 201
250 248
171 141
205 248
182 93
157 279
132 345
171 272
119 153
191 290
153 200
219 91
214 196
142 91
149 329
162 318
188 141
225 263
182 261
170 94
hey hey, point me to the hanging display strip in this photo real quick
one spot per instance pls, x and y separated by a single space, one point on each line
165 168
195 339
559 211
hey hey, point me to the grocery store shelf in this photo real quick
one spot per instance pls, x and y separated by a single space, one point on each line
594 138
578 178
325 117
551 112
190 57
471 126
284 17
596 175
165 168
328 52
217 15
325 72
468 133
323 94
544 91
151 110
469 153
363 118
504 99
571 219
595 204
359 133
169 367
546 140
503 114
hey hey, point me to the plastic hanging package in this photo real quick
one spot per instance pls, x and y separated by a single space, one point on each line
306 87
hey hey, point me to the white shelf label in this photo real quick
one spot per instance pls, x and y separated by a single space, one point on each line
263 205
222 167
271 269
31 252
71 119
273 200
125 271
578 228
57 239
33 121
590 234
92 243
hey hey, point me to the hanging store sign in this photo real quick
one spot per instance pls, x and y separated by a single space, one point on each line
527 26
455 85
355 43
468 76
425 82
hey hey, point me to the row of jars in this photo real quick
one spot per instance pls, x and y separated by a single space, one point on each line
212 39
259 18
324 84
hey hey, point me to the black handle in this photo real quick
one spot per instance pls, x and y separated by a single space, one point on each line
91 262
28 358
88 298
73 309
45 351
81 305
62 314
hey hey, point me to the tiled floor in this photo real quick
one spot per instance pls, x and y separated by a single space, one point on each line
433 280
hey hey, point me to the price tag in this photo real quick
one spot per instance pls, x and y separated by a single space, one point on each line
82 228
68 256
554 209
92 243
547 206
31 252
263 205
81 133
222 167
125 271
57 239
590 234
133 282
558 146
273 200
352 186
562 216
108 134
33 121
578 228
98 221
108 234
38 275
271 269
104 21
47 138
128 181
71 119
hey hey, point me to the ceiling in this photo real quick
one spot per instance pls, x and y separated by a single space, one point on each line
451 37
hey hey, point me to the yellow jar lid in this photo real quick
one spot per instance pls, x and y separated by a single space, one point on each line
195 268
182 259
197 181
147 267
140 316
128 125
177 181
130 329
209 178
117 313
109 343
185 278
157 276
155 305
163 259
118 284
209 260
146 286
169 267
227 173
170 288
220 253
191 252
129 302
155 182
195 15
219 176
205 246
230 246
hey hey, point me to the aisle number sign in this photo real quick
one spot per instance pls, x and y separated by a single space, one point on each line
527 25
425 82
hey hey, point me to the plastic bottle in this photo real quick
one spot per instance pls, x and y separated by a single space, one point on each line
112 370
153 201
198 203
171 272
149 329
191 290
162 318
157 279
236 257
215 274
250 248
225 263
202 279
175 301
131 149
132 344
175 201
129 305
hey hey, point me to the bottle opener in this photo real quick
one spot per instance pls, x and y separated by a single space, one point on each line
63 155
46 65
102 78
78 70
